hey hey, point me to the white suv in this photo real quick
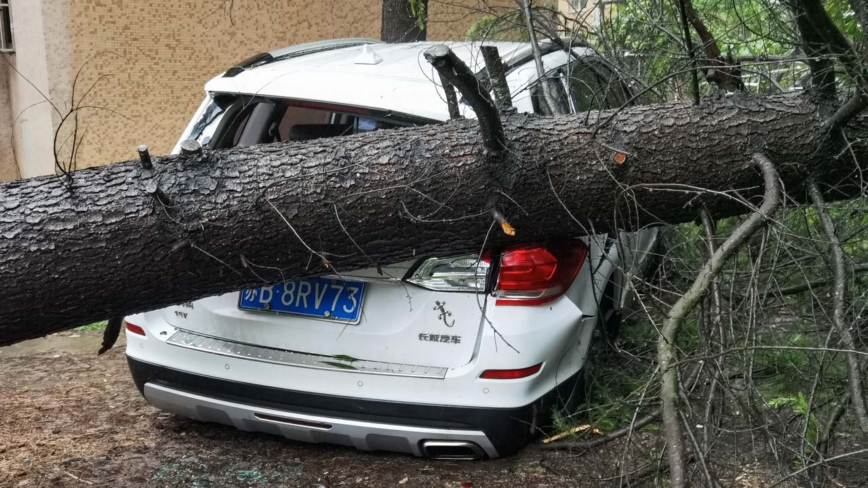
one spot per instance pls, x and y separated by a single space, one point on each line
443 356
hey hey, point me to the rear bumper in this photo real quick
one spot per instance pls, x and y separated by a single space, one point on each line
369 436
364 424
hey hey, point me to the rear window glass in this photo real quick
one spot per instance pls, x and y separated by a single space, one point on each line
593 86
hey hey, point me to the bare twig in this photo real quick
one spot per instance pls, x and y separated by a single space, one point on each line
647 419
77 478
818 463
810 285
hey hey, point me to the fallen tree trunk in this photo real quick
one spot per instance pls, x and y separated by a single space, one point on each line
121 238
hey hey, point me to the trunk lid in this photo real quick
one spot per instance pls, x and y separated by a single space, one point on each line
399 323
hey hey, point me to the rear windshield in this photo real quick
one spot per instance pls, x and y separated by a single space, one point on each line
591 86
234 120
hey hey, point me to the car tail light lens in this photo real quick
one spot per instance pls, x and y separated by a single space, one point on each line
462 273
533 275
526 275
510 374
135 329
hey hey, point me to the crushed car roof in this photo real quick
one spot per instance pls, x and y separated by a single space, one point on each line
367 74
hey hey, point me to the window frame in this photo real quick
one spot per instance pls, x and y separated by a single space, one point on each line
238 106
6 45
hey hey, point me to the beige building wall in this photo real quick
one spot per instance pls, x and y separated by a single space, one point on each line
135 70
583 15
138 68
30 99
155 57
8 166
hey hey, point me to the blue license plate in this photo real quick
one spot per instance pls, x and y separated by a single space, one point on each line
323 298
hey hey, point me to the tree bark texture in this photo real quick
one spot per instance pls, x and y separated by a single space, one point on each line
399 24
123 239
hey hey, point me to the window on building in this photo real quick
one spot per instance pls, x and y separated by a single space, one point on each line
6 44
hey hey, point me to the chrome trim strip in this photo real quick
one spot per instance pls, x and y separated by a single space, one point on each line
363 435
222 347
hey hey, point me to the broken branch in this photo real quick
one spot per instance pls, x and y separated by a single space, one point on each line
459 75
666 344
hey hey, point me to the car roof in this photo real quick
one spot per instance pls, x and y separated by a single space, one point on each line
367 73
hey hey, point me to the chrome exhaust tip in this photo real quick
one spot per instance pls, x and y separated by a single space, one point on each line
452 450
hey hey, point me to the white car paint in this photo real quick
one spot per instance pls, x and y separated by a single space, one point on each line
404 82
395 313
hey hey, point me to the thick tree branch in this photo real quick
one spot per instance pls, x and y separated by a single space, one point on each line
451 98
111 249
715 309
666 344
110 334
725 73
839 297
688 42
550 95
496 77
459 75
817 49
851 108
821 39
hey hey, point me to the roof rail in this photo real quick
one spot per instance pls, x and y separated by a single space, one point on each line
251 62
294 52
319 46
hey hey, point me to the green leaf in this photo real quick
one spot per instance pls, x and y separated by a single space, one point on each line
344 357
340 365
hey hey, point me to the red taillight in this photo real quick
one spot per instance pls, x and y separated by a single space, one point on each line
537 274
135 329
526 269
510 374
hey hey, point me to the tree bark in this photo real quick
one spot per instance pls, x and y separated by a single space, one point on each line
124 239
401 24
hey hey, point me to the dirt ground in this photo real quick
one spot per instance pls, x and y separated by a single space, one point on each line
71 419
